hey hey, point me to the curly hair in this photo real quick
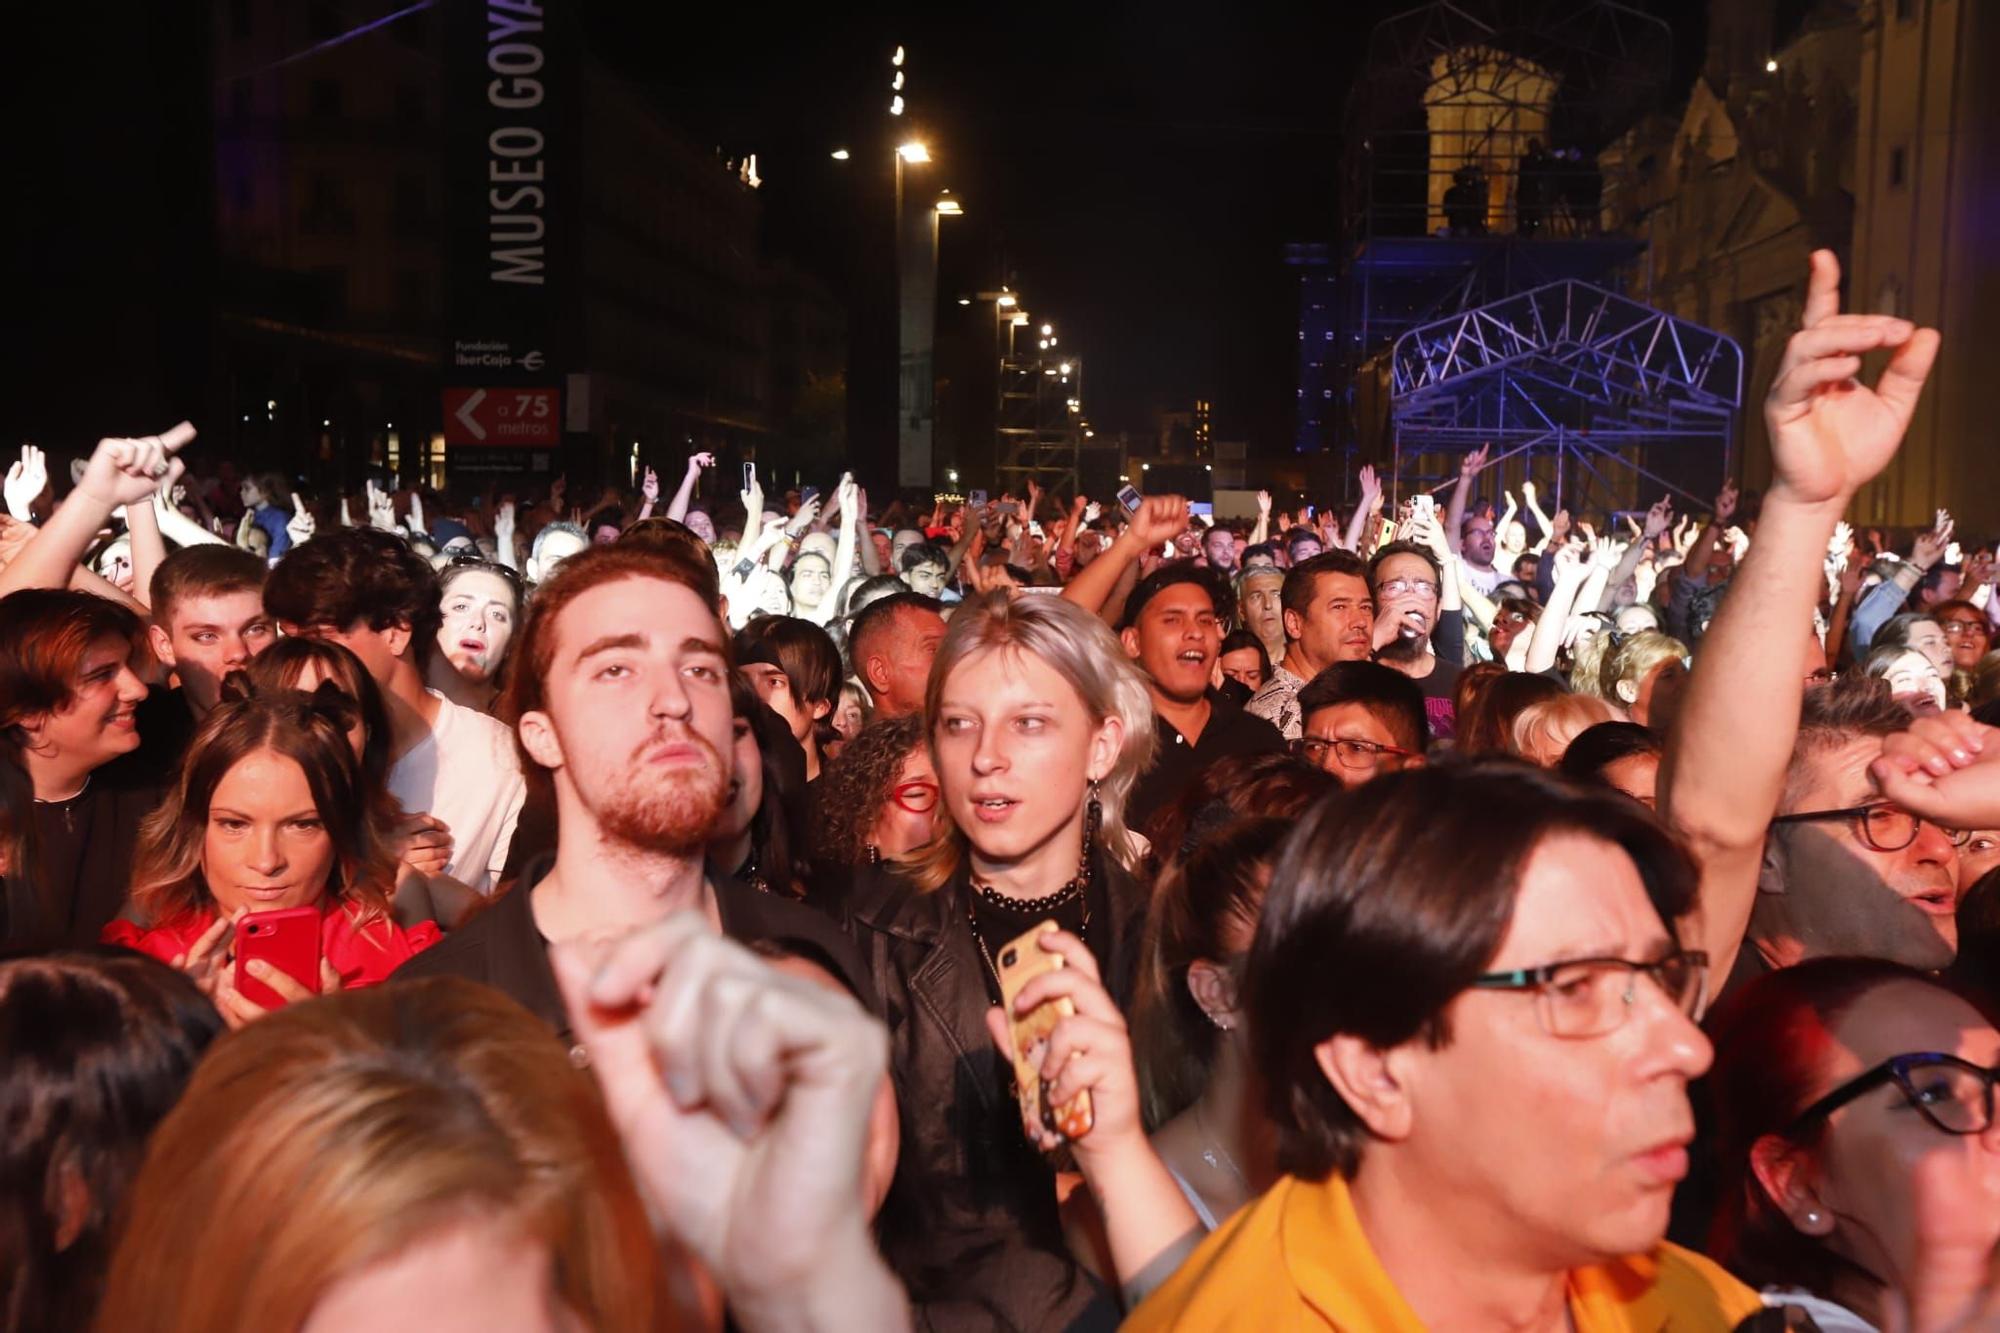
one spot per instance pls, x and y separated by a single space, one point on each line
850 792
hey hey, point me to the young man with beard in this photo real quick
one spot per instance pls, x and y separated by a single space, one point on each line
1173 628
621 688
1418 628
1329 616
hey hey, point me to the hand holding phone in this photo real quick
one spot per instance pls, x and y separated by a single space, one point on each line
1020 961
288 940
1129 497
749 476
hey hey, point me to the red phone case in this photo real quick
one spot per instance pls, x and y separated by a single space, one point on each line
288 940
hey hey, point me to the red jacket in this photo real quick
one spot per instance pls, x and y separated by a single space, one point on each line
363 955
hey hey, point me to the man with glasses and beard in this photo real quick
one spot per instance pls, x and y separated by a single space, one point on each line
621 688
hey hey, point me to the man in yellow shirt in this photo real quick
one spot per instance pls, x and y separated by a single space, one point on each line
1478 1072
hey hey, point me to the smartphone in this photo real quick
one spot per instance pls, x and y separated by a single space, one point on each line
1423 505
1129 497
1010 507
288 940
976 500
749 475
1202 509
1021 961
807 494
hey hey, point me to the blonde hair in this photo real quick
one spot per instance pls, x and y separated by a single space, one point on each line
1635 657
1544 729
1080 648
333 1134
1586 664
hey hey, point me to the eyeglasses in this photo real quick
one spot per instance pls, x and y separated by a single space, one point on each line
1823 676
1350 753
1955 1095
474 561
1592 996
919 798
1397 587
1881 827
1956 629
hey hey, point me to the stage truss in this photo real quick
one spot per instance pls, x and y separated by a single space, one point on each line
1590 382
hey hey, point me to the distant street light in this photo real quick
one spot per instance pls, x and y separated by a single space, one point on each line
1770 67
965 300
914 151
949 208
1007 302
1047 329
841 155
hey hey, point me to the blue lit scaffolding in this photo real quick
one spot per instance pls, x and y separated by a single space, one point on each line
1469 301
1586 379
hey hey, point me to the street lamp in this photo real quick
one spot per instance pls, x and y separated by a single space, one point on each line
1007 302
841 155
949 208
914 151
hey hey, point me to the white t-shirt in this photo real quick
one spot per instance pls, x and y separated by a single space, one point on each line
1486 580
467 774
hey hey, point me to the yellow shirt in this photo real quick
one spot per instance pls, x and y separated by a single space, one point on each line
1296 1259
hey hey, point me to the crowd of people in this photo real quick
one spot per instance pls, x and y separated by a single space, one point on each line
479 911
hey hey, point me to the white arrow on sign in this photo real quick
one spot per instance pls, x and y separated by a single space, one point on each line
465 411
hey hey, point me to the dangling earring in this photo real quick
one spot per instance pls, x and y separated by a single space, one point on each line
874 855
1093 819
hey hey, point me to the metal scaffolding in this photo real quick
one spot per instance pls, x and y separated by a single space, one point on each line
1041 439
1572 373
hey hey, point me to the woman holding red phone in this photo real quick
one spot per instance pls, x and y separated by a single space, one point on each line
266 861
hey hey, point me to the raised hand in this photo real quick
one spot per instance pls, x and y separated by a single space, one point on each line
122 471
1559 525
557 490
1658 517
1473 463
1831 434
300 528
743 1096
1528 490
696 462
503 517
649 487
26 480
1725 504
1264 500
1946 768
381 508
1930 547
417 523
1161 518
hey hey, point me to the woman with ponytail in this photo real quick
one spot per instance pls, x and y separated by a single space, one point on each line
269 813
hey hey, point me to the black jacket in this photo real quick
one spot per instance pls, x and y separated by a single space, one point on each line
976 1232
502 948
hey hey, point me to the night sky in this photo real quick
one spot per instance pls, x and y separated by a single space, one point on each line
1135 170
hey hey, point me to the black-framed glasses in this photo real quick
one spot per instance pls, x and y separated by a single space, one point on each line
1349 753
1955 1095
1589 997
1956 629
1880 826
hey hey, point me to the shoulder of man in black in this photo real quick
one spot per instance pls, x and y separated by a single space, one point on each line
166 728
501 948
1243 731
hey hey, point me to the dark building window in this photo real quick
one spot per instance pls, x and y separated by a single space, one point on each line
1898 167
323 98
410 105
412 205
325 211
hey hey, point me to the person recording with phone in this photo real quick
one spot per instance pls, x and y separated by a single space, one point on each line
268 824
1039 725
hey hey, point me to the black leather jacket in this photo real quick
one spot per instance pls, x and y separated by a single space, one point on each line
974 1229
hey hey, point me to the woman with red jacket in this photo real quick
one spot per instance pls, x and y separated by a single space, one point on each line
269 813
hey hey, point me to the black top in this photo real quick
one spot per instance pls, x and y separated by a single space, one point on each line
166 724
1230 731
502 948
84 849
971 1226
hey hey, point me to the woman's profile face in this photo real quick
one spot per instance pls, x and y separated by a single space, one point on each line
909 816
1886 1181
265 847
1015 749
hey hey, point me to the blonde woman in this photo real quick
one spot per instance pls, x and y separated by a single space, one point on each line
1038 727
